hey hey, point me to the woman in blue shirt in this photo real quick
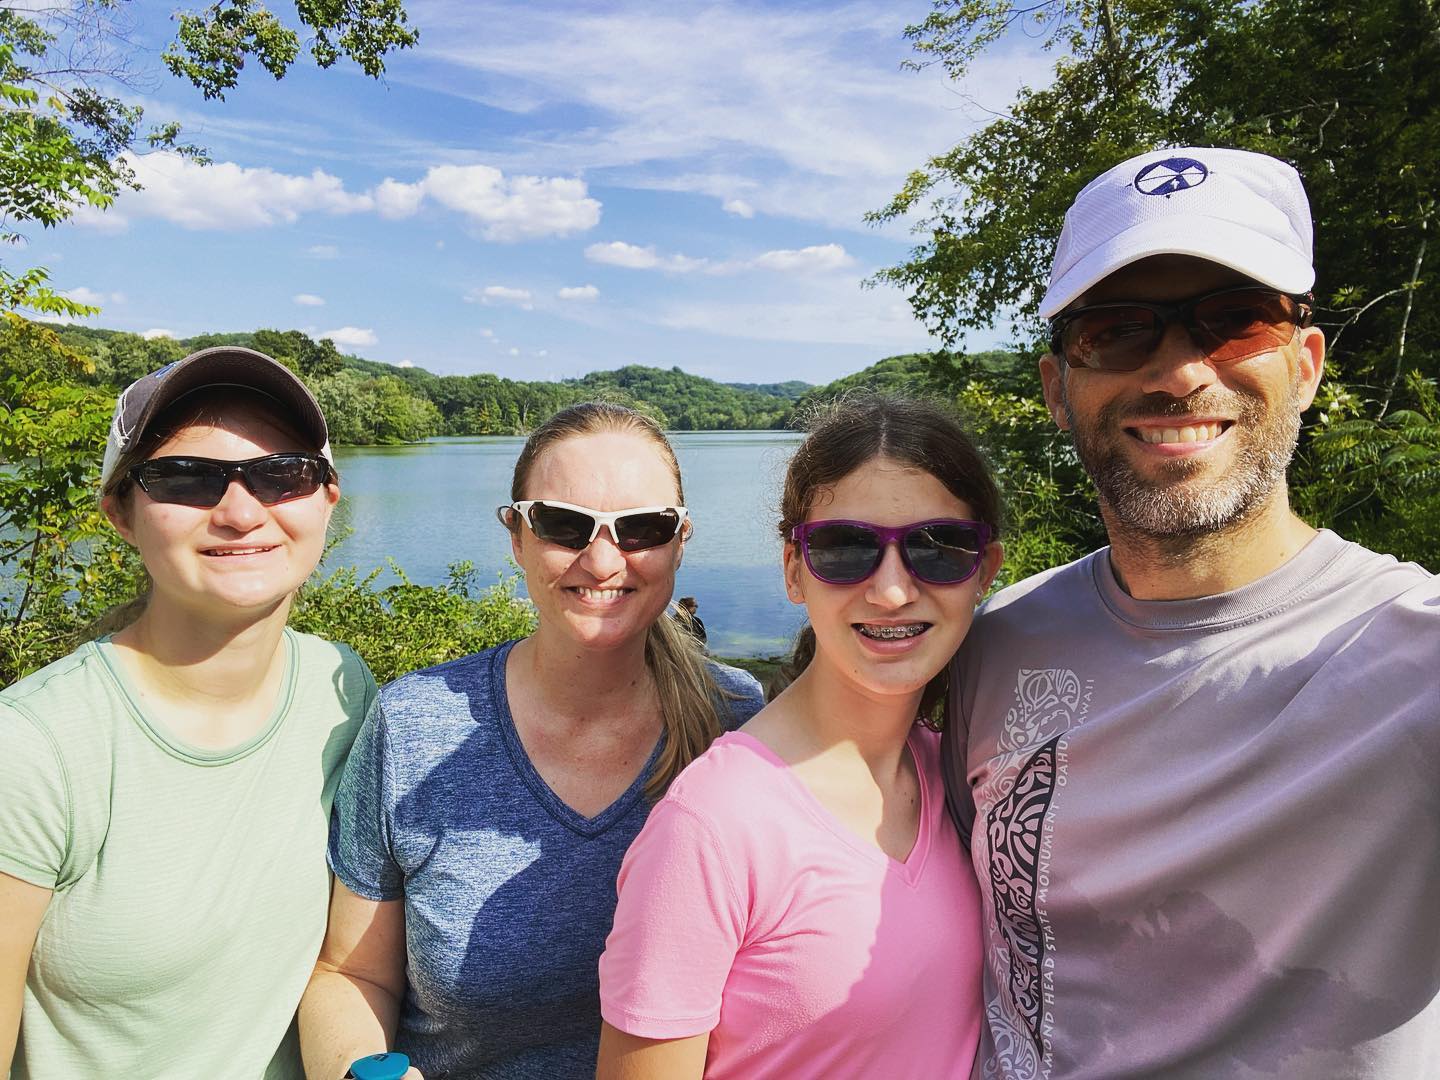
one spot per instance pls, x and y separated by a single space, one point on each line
485 809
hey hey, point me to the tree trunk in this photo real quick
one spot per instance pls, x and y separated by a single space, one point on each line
1405 320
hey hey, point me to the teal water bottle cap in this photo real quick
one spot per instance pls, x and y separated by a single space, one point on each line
380 1067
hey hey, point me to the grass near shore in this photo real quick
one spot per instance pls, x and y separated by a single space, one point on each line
762 667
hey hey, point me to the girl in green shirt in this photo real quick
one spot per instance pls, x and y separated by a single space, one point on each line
165 792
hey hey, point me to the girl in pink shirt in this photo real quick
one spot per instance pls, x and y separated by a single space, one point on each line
799 904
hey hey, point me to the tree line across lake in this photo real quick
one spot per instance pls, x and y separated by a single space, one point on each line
369 403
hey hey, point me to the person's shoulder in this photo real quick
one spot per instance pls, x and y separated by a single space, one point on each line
741 693
56 677
427 712
67 692
1382 575
1057 586
69 712
1385 589
734 762
334 668
462 676
316 652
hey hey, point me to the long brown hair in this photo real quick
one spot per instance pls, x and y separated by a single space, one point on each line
690 699
846 433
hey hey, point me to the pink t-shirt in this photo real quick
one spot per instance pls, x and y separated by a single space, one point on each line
748 911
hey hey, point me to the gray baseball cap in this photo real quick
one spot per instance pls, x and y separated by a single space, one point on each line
221 366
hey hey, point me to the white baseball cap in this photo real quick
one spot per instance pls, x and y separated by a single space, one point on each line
224 365
1237 208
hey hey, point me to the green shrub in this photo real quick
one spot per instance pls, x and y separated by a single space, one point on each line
401 627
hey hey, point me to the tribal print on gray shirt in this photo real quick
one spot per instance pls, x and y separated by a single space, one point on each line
1207 832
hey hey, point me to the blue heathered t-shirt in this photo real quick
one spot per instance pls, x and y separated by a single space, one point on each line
509 893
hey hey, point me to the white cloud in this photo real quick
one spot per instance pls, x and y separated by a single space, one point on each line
513 351
306 299
738 207
485 331
819 258
542 353
323 251
158 332
578 292
634 257
228 196
94 297
503 208
619 253
500 294
406 363
351 337
816 259
396 200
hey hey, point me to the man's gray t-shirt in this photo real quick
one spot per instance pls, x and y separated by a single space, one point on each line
1207 832
509 893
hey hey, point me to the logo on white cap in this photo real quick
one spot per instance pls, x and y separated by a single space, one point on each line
1171 175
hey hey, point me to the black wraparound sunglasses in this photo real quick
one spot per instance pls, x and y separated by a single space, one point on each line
197 481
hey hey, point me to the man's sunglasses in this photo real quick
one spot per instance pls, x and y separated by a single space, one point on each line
942 551
1231 324
574 527
202 482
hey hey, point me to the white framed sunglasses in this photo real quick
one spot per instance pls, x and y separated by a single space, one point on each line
574 527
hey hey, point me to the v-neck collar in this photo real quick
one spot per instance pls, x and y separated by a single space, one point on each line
555 806
911 869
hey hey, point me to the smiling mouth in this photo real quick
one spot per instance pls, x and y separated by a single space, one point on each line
599 596
891 633
1186 433
226 552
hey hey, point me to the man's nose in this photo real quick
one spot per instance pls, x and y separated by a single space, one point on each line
1179 365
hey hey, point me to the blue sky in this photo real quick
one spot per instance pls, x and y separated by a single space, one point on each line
540 190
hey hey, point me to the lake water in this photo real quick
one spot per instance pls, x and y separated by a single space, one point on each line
433 503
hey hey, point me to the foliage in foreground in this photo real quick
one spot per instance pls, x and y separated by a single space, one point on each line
402 627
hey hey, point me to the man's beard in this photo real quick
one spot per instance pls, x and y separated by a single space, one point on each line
1175 504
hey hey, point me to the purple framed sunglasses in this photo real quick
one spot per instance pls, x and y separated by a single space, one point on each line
941 551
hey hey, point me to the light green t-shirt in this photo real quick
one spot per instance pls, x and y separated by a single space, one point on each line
190 886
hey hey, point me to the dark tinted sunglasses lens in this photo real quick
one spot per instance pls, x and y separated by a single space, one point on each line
275 479
943 554
1111 339
556 525
842 554
640 531
1245 323
188 483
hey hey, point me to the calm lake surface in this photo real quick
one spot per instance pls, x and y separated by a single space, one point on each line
433 503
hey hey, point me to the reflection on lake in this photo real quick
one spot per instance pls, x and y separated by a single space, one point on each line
433 503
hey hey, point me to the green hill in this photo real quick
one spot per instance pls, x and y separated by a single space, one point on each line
370 402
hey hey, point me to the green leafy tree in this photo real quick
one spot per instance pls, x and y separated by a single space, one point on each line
1348 92
60 564
66 139
295 349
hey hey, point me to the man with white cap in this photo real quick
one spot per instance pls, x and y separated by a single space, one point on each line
1198 768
